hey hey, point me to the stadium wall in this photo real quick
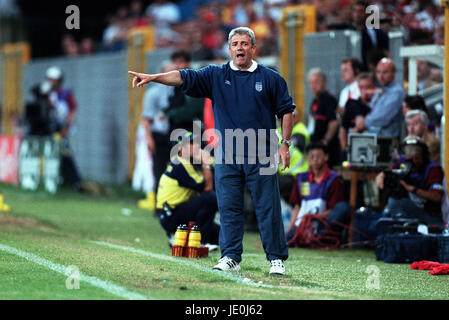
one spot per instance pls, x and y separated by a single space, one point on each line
99 136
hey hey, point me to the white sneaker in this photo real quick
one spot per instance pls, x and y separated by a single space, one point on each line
277 267
227 264
171 240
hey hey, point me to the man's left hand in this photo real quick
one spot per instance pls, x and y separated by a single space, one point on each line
284 155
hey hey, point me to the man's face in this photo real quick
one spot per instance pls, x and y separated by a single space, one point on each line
423 69
347 74
317 159
385 73
358 15
416 157
316 84
241 50
415 126
367 89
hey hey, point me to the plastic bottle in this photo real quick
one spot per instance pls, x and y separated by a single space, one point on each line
195 237
181 235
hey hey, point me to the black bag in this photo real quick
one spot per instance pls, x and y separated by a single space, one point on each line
402 225
365 223
402 247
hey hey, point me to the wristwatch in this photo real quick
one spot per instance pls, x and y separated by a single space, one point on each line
288 142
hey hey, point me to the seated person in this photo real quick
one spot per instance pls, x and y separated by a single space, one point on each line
318 191
422 187
356 107
187 190
416 122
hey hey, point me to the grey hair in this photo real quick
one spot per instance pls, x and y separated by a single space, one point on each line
317 71
243 31
423 116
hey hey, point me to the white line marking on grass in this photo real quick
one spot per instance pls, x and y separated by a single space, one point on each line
96 282
227 275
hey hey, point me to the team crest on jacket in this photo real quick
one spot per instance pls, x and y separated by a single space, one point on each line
259 86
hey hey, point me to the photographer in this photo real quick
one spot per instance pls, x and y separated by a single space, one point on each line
416 188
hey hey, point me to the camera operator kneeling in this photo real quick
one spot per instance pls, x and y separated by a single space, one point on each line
415 189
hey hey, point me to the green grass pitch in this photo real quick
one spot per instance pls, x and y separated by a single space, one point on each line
124 256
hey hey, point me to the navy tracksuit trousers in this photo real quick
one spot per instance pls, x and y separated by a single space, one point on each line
230 180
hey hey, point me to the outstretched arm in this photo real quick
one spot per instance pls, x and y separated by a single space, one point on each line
172 78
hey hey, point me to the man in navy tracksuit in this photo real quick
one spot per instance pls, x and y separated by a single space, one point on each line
246 99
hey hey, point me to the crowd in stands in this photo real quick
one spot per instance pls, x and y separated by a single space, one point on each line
201 26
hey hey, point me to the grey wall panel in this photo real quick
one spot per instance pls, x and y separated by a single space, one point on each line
99 138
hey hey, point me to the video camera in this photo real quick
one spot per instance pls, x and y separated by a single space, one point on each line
370 150
392 185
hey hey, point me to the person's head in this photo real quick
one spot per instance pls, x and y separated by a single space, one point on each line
415 149
367 86
242 46
385 71
359 13
181 59
424 69
413 103
416 121
350 69
317 155
55 76
317 81
189 147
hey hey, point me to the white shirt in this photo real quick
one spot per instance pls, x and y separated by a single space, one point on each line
251 69
351 91
155 102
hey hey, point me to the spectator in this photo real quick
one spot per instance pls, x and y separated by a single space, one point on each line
323 124
187 190
183 110
163 13
424 73
115 35
64 104
318 191
371 38
70 47
386 116
417 125
413 103
87 46
349 70
422 187
157 125
356 107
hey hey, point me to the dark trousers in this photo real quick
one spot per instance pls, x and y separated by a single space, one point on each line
230 181
202 211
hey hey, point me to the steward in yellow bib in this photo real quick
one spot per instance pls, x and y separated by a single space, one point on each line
185 191
298 162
